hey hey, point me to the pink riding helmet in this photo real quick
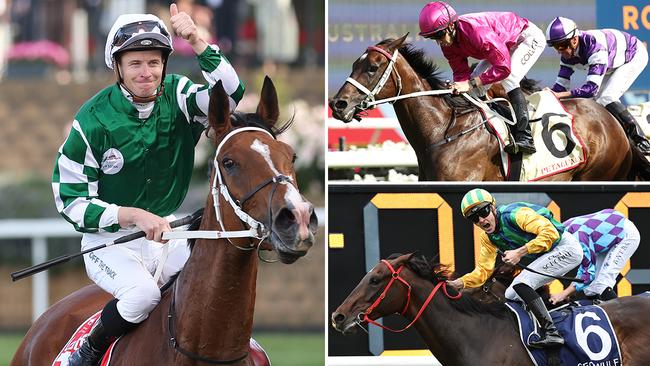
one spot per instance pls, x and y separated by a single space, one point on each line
436 16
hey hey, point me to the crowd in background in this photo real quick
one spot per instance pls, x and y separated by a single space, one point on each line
252 33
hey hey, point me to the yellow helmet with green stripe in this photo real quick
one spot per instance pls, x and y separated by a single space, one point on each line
475 197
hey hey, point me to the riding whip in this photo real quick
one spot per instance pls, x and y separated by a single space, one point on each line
573 279
123 239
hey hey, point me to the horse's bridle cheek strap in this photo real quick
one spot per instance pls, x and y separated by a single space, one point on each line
395 275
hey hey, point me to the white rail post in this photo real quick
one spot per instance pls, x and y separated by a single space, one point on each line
40 290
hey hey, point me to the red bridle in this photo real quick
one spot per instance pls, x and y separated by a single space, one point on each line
395 275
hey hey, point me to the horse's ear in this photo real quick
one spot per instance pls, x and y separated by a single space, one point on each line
268 106
397 43
219 110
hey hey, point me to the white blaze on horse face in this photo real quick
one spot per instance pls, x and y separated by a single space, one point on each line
292 197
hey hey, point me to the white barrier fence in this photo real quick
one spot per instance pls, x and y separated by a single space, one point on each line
389 154
39 230
383 361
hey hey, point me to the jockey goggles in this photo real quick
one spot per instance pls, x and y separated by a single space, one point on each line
563 45
481 211
129 30
437 35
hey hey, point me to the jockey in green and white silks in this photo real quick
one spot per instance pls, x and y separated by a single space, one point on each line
127 162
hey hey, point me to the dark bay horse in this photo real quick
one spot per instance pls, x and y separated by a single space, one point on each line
472 152
210 306
462 331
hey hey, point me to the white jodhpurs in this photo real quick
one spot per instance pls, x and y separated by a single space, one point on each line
126 270
616 83
566 256
522 58
610 263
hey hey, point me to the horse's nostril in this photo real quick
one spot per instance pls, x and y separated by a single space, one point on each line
285 217
338 317
340 104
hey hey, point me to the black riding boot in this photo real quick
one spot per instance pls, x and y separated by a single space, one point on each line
110 326
630 126
521 131
550 337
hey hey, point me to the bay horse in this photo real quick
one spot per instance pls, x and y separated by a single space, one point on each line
206 316
446 131
458 329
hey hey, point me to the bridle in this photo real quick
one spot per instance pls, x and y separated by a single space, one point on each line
369 100
257 231
395 275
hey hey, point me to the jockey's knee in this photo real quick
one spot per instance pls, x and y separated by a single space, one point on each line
136 305
511 294
604 100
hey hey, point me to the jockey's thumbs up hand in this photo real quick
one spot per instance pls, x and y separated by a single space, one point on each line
184 27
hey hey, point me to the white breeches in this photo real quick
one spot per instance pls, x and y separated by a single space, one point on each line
615 84
522 58
126 270
564 257
610 263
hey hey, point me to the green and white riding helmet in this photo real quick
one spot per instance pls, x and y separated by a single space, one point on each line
476 199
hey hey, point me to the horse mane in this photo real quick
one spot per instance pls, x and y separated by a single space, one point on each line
430 72
241 119
434 272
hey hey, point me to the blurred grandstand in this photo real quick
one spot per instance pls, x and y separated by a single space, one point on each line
51 61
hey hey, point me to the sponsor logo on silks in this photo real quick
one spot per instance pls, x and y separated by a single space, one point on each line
112 161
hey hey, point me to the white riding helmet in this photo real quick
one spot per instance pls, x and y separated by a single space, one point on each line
137 32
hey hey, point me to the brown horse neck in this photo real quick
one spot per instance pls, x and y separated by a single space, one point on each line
215 293
458 338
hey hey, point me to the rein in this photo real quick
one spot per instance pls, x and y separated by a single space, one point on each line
257 230
370 102
395 274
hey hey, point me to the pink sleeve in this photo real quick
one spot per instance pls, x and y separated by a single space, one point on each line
459 65
497 55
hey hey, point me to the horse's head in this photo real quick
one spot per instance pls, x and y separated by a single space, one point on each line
257 172
382 291
368 80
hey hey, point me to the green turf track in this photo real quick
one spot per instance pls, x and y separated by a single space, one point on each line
284 349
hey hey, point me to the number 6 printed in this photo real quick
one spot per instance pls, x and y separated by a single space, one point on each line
582 334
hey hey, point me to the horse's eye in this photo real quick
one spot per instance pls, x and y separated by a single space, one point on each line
373 281
228 164
294 158
373 68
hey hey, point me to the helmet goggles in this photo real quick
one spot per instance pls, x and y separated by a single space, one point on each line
437 35
561 45
129 30
481 210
